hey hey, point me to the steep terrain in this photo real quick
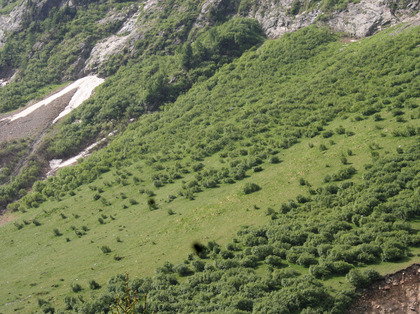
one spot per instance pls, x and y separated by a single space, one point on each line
236 172
396 293
335 170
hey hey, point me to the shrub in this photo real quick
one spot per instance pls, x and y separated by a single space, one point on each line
36 222
327 134
198 265
273 260
360 280
133 201
356 278
249 188
390 254
306 259
105 249
183 270
94 285
151 203
57 232
319 271
70 302
76 287
377 117
274 160
340 130
226 254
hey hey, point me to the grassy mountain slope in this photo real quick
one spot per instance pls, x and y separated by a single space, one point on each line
299 117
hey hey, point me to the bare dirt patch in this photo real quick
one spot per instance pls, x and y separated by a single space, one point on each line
396 293
4 219
33 124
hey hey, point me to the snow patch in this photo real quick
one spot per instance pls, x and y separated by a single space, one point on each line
56 164
84 87
83 92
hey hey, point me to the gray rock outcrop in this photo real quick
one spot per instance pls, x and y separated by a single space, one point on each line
275 16
357 20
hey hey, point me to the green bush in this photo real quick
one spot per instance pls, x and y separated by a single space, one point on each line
105 249
249 188
94 285
57 232
183 270
75 287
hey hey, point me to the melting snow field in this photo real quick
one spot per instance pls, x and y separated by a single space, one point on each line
56 164
84 87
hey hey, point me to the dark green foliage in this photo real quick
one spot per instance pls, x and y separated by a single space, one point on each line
57 232
249 188
326 234
36 222
277 117
182 270
75 287
362 279
46 306
340 130
151 203
105 249
133 201
341 226
327 134
94 285
274 159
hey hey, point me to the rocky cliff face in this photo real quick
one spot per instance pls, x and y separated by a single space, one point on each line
276 17
37 9
358 19
11 22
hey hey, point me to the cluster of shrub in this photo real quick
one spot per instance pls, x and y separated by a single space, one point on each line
335 233
197 124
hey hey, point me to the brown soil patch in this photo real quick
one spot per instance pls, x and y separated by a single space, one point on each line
4 219
34 123
396 293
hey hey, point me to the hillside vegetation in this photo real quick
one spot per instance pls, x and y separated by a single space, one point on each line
311 144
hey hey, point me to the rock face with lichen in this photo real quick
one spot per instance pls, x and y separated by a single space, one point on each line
357 19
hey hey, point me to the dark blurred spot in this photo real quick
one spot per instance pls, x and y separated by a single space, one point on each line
198 248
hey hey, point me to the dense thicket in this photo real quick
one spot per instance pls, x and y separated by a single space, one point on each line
340 227
265 102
